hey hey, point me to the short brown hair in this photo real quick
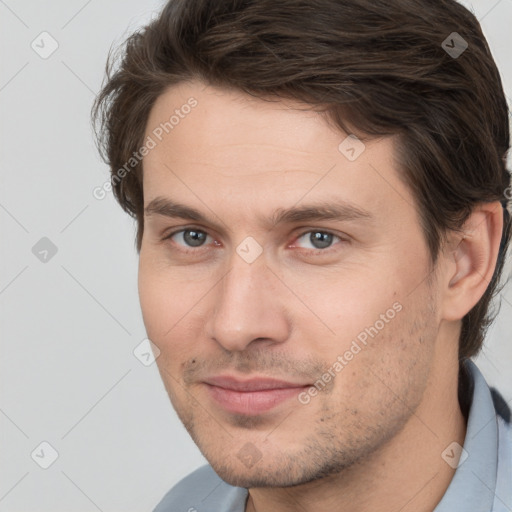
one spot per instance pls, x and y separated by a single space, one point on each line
373 67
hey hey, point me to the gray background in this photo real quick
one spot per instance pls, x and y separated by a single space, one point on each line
70 324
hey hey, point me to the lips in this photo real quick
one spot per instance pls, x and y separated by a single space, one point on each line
253 396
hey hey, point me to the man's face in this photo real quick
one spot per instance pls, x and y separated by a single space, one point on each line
235 300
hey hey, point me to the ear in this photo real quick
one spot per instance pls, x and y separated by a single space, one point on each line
470 260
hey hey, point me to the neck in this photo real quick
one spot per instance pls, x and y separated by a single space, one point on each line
406 474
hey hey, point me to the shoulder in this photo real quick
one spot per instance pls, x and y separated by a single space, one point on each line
503 493
201 491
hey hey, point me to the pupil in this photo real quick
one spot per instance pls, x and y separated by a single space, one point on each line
324 239
196 238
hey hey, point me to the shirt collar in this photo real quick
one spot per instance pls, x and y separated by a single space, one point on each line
474 482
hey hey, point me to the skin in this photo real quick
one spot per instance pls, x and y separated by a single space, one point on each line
373 438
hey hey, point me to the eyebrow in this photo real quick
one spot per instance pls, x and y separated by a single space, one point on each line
335 210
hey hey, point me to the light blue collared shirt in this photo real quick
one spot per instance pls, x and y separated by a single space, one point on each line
482 481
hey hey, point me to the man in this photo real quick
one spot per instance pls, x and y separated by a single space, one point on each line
319 189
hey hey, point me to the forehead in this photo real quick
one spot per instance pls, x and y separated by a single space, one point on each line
222 118
249 152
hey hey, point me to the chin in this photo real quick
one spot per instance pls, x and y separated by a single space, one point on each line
254 477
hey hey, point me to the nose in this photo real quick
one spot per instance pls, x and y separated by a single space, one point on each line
248 307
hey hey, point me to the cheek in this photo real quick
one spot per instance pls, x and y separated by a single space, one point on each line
345 308
378 327
153 301
161 301
375 389
396 360
168 305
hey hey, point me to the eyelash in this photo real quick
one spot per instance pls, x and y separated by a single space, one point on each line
307 251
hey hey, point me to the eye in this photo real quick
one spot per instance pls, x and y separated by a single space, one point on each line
320 240
190 237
